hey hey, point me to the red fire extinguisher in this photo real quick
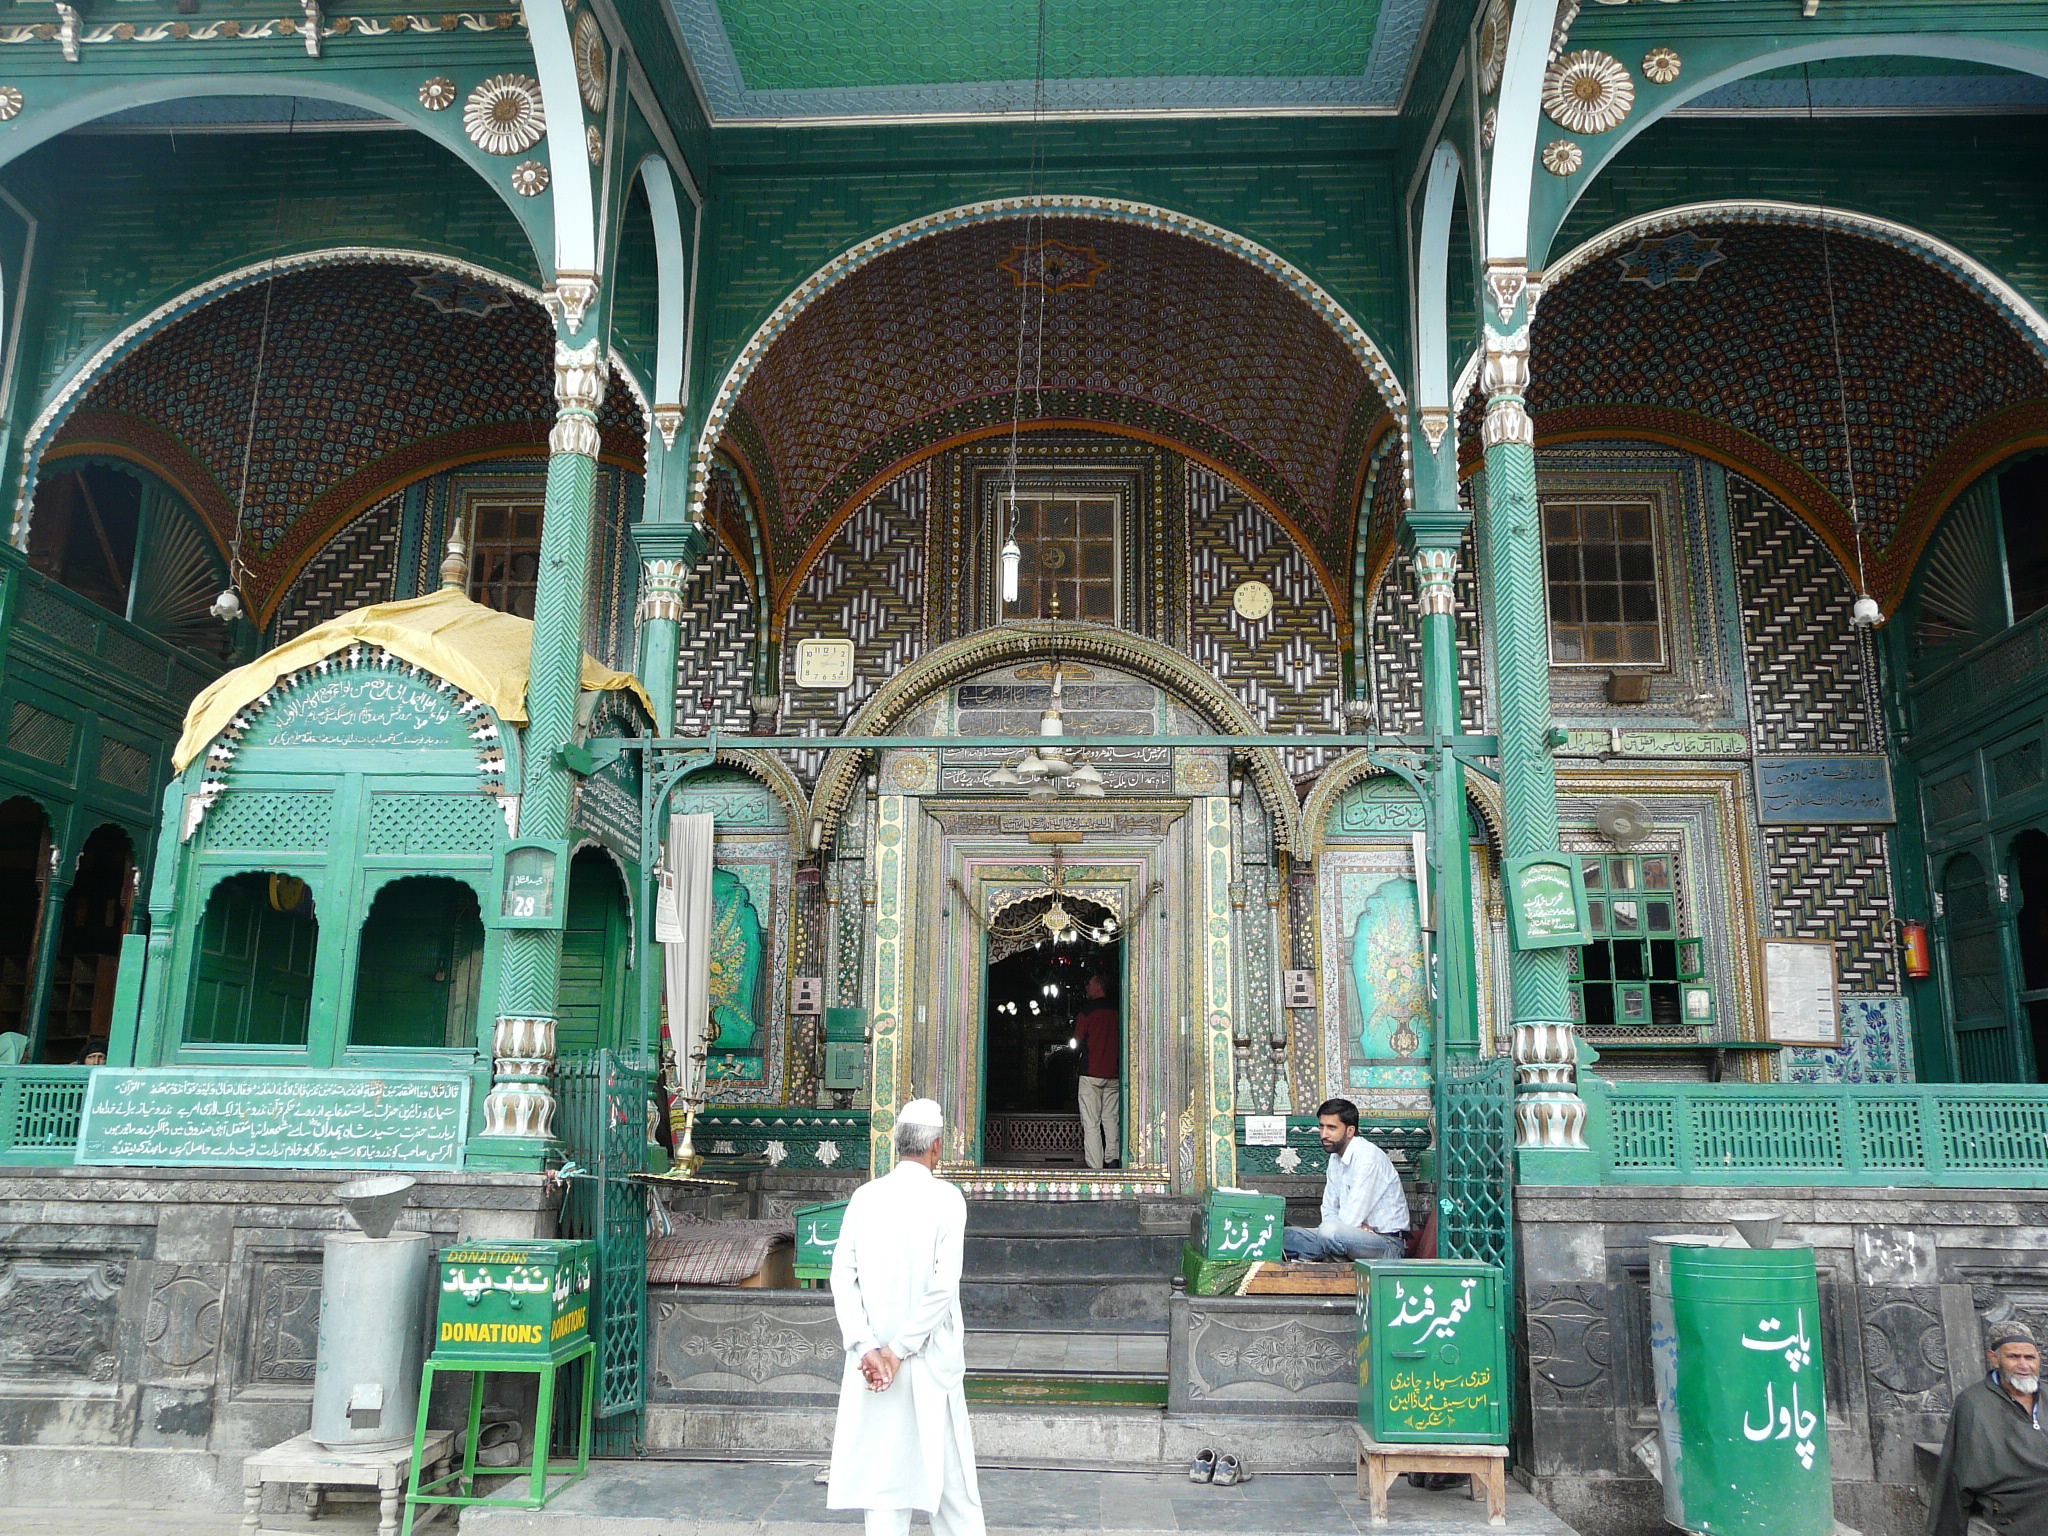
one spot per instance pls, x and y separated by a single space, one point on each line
1919 958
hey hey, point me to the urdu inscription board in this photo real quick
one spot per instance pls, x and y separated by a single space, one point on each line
200 1117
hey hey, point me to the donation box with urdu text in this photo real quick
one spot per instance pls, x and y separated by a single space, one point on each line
524 1301
1735 1352
1240 1224
817 1235
1432 1353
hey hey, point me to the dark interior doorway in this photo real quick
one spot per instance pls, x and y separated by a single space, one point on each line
1036 989
81 1006
2030 927
24 876
419 965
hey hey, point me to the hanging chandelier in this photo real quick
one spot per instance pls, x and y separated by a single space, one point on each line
1052 767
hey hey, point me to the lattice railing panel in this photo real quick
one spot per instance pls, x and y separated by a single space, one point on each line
300 821
1475 1161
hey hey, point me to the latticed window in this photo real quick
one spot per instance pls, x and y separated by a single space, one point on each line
504 554
1637 972
1070 548
1600 561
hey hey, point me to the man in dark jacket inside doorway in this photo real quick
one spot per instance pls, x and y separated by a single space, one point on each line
1994 1462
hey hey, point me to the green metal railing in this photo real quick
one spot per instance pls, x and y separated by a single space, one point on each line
40 1109
1770 1133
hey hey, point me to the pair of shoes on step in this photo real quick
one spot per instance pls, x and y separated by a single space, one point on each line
1225 1471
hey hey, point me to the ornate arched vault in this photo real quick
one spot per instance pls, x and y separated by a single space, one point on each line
372 377
1145 332
1715 336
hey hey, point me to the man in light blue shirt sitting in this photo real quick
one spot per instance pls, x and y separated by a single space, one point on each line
1365 1215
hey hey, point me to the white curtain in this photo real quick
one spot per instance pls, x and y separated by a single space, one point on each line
684 928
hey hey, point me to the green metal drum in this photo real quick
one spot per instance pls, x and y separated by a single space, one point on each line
1432 1353
1735 1339
521 1301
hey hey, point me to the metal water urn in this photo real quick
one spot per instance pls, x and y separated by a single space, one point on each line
373 1292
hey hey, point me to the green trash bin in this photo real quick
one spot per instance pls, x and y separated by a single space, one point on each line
1742 1410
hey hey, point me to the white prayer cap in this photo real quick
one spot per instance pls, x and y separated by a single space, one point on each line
921 1112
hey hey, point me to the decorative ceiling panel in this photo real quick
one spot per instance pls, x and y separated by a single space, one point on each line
881 58
1160 335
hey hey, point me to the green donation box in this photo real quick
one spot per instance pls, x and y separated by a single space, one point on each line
817 1234
1432 1353
514 1302
1735 1351
1241 1224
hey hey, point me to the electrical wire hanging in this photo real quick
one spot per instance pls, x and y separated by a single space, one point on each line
1866 611
1012 554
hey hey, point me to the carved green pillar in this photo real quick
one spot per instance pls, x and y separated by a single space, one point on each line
1550 1115
668 553
520 1111
1433 540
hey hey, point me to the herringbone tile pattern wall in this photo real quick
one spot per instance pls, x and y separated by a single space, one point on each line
358 566
1806 688
1835 883
715 647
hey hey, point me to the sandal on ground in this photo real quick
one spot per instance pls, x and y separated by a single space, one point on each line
1203 1468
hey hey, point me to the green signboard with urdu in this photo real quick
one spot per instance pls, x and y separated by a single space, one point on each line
1546 901
517 1301
273 1117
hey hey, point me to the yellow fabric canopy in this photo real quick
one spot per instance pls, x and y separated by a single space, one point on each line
480 650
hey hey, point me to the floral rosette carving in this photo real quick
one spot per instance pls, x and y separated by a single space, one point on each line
1561 157
503 116
437 94
1661 65
1493 46
11 103
594 142
593 67
1588 92
530 178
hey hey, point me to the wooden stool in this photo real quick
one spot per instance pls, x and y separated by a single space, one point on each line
302 1460
1379 1465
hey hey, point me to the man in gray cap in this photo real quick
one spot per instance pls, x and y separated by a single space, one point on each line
1994 1462
901 1441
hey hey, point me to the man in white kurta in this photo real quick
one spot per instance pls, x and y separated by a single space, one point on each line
902 1441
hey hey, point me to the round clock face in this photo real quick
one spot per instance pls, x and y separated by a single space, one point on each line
1252 600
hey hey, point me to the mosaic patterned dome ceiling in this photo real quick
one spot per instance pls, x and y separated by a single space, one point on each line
1718 337
372 376
1145 333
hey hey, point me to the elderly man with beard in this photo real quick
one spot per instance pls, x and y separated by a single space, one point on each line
902 1441
1994 1462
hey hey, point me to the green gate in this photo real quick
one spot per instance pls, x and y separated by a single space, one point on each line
602 1099
1475 1162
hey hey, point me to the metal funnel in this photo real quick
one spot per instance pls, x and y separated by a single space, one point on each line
376 1201
1759 1229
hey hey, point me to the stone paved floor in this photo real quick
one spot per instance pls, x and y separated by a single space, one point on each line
706 1498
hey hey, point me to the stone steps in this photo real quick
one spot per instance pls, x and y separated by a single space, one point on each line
1102 1266
1010 1435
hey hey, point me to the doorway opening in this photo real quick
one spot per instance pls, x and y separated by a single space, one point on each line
80 1012
2030 925
1042 955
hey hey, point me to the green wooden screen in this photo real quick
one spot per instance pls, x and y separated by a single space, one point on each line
420 963
590 1006
1635 972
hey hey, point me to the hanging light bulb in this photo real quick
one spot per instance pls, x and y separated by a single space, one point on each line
1087 782
1866 614
1013 561
1005 777
227 607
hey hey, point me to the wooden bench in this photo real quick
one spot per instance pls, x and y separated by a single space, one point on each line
1379 1465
